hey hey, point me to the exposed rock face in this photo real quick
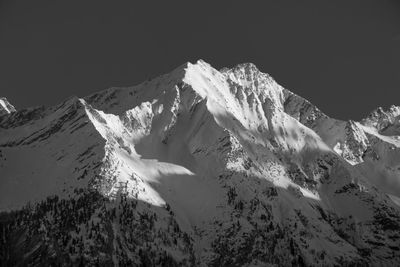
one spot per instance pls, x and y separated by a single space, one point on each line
198 167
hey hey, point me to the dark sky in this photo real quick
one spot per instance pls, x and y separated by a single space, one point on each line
344 56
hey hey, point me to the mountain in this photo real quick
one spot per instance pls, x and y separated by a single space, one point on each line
198 167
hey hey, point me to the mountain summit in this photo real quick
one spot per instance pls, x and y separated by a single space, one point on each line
198 167
5 106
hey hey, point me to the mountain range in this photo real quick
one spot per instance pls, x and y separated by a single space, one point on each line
198 167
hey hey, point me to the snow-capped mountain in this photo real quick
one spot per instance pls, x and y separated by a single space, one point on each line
5 106
198 167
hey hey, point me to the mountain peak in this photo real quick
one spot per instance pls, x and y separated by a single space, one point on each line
247 66
5 106
392 110
381 118
249 72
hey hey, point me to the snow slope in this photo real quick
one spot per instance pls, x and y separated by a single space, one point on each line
200 167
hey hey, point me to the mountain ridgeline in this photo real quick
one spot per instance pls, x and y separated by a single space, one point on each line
198 167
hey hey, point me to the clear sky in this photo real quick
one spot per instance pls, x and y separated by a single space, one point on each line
344 56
